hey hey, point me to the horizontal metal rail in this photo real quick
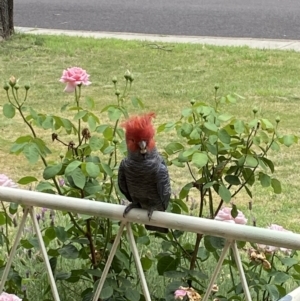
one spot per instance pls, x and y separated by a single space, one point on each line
231 232
162 219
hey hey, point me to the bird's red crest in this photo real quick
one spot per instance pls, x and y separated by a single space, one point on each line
139 128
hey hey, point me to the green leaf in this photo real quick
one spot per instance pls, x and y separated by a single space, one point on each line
269 163
2 218
239 126
92 122
63 107
265 180
106 292
80 115
137 103
27 180
225 117
275 146
69 252
273 291
224 193
78 177
9 110
200 159
61 233
90 103
44 186
92 169
114 113
62 275
146 263
289 140
186 112
175 274
50 233
266 124
72 166
166 263
95 143
248 191
173 148
281 277
51 171
224 136
217 242
48 123
276 185
13 208
132 295
288 261
211 126
31 152
185 190
233 180
107 169
251 161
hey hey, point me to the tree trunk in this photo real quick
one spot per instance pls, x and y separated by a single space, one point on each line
6 18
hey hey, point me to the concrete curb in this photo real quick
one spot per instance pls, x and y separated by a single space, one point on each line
237 42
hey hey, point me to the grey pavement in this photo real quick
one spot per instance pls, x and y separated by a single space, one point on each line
217 41
270 19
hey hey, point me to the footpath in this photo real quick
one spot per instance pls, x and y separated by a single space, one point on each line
237 42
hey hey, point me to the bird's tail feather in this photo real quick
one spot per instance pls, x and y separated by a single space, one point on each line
157 229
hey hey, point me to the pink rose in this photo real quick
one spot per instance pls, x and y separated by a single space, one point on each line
272 249
179 294
73 77
7 182
225 215
9 297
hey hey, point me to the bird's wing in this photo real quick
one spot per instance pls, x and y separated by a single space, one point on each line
122 180
163 184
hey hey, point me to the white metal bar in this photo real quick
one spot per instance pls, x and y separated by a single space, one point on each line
137 260
108 262
216 271
38 233
13 249
241 270
292 296
162 219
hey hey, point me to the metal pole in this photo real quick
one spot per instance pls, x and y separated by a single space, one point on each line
13 250
137 260
241 270
45 255
108 262
216 271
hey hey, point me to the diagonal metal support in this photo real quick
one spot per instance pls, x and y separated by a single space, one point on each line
13 249
44 253
241 270
108 262
216 271
137 260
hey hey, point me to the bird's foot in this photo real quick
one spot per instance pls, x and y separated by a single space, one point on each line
150 212
129 207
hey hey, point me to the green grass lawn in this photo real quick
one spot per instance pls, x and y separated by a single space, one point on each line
166 82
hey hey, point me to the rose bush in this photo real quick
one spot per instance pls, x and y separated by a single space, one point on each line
222 155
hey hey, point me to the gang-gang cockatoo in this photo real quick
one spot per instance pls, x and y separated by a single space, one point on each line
143 176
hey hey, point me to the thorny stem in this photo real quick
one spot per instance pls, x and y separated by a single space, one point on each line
270 278
77 98
187 163
92 247
6 226
199 236
19 108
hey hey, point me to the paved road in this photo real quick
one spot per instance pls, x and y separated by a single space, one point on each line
273 19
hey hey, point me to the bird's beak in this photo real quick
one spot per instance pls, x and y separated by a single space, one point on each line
143 147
